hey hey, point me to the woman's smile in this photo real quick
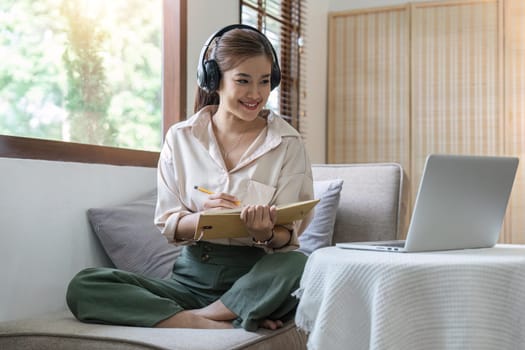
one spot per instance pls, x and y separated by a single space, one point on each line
251 105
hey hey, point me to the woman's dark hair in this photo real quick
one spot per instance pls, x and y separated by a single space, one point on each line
228 51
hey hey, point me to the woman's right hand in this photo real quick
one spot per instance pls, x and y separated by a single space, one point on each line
221 201
186 226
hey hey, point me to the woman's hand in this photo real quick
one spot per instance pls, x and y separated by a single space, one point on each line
221 201
259 220
186 226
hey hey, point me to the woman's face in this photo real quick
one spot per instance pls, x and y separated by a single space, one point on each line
244 89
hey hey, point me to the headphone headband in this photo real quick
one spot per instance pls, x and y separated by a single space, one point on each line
208 72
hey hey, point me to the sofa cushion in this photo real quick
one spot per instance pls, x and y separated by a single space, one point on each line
319 232
131 239
372 207
62 331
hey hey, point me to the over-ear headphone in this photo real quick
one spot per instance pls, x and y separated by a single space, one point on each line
208 72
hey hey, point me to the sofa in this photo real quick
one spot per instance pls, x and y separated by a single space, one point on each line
54 218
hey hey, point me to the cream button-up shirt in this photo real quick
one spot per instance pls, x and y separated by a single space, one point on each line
275 169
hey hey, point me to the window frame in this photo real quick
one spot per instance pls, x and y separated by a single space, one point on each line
174 47
290 79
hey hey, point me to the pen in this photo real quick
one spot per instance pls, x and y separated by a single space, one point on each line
204 190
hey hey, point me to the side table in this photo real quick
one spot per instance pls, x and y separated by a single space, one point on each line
461 299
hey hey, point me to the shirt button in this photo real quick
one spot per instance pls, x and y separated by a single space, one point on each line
205 257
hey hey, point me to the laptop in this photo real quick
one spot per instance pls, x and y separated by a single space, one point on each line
460 204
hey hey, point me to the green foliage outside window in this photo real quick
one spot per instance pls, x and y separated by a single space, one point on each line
82 70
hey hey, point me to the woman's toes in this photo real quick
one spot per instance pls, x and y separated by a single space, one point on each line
271 324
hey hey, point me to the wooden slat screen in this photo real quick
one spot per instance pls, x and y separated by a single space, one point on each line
466 88
368 87
456 102
515 113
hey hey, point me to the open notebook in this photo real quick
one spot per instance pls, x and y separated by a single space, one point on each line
227 223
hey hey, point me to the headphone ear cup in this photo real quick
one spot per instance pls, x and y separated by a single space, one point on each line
213 75
275 77
201 77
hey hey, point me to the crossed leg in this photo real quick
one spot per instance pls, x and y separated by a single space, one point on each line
213 316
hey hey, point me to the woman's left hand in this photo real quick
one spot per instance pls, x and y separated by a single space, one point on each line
259 220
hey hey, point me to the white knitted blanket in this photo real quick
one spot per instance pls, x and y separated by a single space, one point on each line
468 299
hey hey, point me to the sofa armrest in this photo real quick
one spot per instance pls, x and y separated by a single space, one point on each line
46 237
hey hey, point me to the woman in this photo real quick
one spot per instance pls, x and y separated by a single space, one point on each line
244 155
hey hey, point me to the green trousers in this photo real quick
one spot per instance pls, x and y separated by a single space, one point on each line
252 284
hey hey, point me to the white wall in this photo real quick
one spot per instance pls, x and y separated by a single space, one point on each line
316 67
204 18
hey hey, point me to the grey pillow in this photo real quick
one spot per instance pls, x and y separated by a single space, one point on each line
131 239
319 232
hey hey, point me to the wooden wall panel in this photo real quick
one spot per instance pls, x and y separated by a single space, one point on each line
368 86
515 114
460 90
456 93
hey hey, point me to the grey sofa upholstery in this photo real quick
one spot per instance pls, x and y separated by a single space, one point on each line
370 209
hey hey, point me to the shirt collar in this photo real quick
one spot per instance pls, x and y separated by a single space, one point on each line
200 124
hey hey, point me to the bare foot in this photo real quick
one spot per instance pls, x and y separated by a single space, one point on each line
216 311
188 319
271 324
213 316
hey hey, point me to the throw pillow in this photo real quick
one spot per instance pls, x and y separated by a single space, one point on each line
319 232
131 239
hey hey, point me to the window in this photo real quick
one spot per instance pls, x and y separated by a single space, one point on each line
80 71
119 76
280 20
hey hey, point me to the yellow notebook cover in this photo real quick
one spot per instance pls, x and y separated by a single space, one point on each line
227 223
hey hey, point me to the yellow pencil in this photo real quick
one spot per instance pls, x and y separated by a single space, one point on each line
204 190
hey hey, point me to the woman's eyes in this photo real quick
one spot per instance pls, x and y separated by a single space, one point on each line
245 81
